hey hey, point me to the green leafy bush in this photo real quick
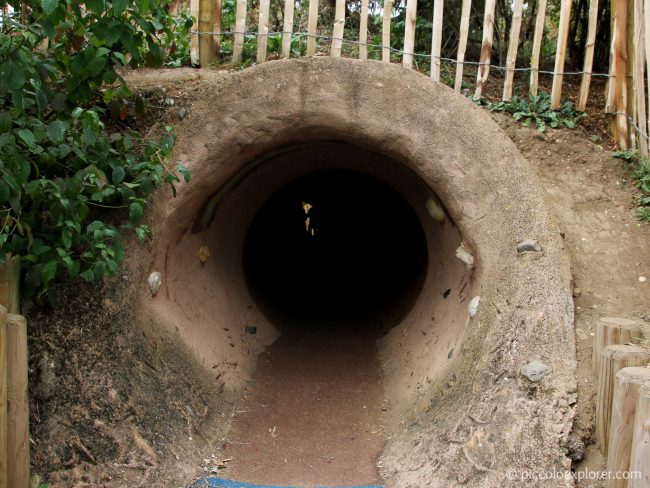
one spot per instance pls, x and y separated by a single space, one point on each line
67 153
536 109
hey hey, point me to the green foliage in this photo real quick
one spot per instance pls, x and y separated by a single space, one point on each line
536 109
177 43
641 177
66 151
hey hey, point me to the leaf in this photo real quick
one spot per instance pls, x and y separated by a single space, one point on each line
66 238
119 6
13 75
88 275
187 174
135 211
56 131
49 6
96 6
49 271
118 175
27 136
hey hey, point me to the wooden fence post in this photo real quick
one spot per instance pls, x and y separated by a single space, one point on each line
289 6
462 43
537 46
206 40
409 33
217 24
263 30
339 29
640 458
10 284
3 397
436 39
240 30
363 30
639 78
486 47
560 53
385 31
646 37
626 395
513 45
619 46
312 26
194 36
17 403
589 56
609 331
613 359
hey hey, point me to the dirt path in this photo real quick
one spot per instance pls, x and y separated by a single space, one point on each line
592 196
313 413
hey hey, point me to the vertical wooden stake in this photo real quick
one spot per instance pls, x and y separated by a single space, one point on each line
385 31
263 30
486 48
363 30
620 72
339 28
436 39
609 331
560 53
646 38
217 22
312 26
10 283
17 403
240 30
589 55
511 61
287 33
626 395
194 36
3 397
206 40
640 458
409 33
462 43
639 77
613 359
537 46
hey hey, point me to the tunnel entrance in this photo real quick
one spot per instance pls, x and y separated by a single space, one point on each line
257 135
335 244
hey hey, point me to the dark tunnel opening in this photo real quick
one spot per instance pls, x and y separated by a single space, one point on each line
335 244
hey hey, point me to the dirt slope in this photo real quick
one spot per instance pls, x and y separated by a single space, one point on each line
593 197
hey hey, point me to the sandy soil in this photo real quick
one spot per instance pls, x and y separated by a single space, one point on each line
313 413
593 197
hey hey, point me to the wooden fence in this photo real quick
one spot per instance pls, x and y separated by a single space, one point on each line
14 404
629 49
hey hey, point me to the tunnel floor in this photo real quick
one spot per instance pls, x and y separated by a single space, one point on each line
314 410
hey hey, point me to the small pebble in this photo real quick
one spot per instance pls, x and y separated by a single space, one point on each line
154 282
472 308
535 370
530 245
577 292
642 279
